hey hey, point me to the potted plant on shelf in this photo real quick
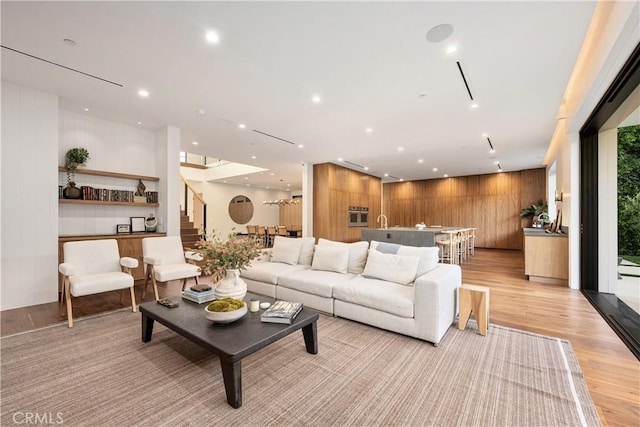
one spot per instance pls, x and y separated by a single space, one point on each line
225 258
73 159
538 212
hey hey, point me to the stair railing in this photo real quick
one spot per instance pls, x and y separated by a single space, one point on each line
197 209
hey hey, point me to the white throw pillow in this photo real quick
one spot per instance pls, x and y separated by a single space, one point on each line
306 250
357 253
286 249
392 268
429 256
331 258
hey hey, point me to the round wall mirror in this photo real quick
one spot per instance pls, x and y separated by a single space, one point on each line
241 209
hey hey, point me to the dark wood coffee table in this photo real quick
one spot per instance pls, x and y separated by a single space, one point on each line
232 341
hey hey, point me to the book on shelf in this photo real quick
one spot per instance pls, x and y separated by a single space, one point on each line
281 312
199 297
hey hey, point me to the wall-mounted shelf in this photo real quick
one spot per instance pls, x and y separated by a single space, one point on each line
83 171
102 202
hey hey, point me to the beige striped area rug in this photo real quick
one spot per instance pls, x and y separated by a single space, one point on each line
100 373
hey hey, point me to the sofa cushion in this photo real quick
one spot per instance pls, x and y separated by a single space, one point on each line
428 255
357 253
314 282
393 268
286 249
376 294
268 272
331 258
307 245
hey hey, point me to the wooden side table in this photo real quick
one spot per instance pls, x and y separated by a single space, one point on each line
474 299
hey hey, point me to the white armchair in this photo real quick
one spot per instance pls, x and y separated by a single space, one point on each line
94 266
165 260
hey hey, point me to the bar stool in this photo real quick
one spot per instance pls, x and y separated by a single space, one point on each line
471 242
448 247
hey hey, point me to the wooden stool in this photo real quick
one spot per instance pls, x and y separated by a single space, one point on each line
474 299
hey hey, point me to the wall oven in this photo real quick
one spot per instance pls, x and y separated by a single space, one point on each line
358 216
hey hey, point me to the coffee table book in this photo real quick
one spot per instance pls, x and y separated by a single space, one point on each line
199 297
281 312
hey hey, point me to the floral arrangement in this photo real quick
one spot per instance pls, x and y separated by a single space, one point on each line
232 253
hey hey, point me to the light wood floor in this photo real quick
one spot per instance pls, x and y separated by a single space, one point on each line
611 371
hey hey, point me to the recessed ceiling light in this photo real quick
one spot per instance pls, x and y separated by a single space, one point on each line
368 130
86 109
500 170
212 37
446 175
248 185
143 93
492 151
485 135
224 182
253 157
451 49
288 185
439 33
420 161
386 174
267 187
242 126
473 105
340 159
366 168
272 174
300 146
195 142
288 189
400 149
139 123
435 169
69 42
316 99
246 177
401 179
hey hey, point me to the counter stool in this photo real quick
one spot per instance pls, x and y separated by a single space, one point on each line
474 299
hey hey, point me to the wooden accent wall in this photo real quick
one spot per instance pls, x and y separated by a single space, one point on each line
491 203
291 216
335 189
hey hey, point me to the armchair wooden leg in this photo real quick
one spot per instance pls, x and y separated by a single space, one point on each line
68 301
146 280
134 306
62 297
155 285
184 283
121 296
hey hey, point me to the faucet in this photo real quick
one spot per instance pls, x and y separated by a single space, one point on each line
384 220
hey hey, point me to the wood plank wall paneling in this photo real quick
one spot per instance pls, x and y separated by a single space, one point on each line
491 203
291 216
335 189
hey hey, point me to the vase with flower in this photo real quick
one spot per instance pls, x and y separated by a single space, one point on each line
225 258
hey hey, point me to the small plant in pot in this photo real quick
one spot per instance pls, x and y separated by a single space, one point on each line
538 212
73 159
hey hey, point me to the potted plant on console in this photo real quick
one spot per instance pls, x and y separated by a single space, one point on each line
74 158
538 212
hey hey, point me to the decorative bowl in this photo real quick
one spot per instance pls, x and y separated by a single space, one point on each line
225 316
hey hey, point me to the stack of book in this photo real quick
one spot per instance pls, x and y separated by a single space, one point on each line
281 312
199 297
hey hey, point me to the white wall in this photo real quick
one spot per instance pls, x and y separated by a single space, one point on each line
113 147
29 201
613 34
168 163
218 197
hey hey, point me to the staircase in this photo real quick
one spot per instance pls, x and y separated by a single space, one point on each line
188 233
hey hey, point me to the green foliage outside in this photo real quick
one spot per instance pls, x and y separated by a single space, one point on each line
629 191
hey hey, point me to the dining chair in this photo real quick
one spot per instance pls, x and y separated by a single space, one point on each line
165 260
271 235
262 235
91 267
282 231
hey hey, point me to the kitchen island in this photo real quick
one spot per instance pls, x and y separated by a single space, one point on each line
409 236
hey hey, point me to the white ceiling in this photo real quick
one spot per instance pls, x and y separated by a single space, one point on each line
369 61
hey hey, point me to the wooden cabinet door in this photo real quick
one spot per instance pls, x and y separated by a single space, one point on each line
132 247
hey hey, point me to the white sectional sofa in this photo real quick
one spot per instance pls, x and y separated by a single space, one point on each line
398 288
